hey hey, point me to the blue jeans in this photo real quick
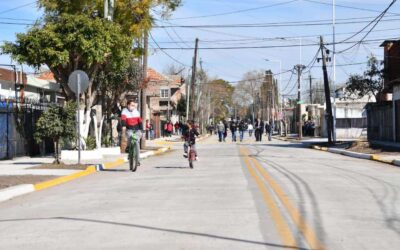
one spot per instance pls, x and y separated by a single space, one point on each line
234 136
241 133
220 136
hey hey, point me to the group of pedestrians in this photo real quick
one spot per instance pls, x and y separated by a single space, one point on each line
238 129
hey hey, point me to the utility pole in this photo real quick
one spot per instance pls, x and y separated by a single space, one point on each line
299 69
143 97
311 100
193 82
327 92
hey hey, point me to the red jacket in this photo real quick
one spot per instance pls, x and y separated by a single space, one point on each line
131 119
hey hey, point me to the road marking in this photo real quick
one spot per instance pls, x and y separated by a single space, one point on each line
301 224
282 226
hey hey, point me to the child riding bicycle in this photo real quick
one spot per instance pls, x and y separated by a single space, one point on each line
189 135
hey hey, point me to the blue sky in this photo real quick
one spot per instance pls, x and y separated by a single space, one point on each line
232 64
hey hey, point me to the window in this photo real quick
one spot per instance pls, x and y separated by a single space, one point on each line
164 93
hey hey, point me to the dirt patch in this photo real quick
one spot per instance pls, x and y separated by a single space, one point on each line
367 148
360 147
61 166
12 180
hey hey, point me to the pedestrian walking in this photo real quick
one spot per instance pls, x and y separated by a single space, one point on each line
250 128
221 131
226 130
176 128
242 128
233 128
261 129
170 128
268 130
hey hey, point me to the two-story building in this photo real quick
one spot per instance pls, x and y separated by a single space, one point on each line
163 94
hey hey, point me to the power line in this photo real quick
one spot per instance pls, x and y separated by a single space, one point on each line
235 12
266 39
347 7
273 24
16 8
377 20
152 38
277 46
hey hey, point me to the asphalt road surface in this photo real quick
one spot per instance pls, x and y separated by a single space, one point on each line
273 195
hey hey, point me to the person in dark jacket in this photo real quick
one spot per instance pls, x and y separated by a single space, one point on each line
242 129
268 130
233 129
261 129
257 130
226 130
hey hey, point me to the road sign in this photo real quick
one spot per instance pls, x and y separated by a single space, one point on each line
300 102
78 81
78 76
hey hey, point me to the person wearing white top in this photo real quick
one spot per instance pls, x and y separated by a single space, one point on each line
250 129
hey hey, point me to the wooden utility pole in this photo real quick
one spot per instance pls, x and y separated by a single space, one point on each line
311 100
143 97
299 69
193 82
327 92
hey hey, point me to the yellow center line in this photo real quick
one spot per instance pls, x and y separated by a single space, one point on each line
282 226
305 229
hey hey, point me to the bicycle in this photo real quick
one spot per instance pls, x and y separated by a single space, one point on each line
133 153
191 156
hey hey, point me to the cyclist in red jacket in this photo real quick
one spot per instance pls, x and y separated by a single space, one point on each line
132 123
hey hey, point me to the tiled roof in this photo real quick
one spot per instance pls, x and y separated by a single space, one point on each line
153 75
47 75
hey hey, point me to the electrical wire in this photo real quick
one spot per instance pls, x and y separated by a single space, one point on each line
16 8
377 20
175 60
236 11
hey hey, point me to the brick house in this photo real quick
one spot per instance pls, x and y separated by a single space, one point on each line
163 94
384 117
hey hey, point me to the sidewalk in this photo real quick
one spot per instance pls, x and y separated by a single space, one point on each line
392 158
19 176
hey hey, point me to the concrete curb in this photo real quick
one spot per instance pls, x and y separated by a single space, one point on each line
376 158
12 192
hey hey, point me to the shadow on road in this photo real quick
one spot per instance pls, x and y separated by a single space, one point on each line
160 229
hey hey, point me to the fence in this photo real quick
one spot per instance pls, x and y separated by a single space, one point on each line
17 127
380 121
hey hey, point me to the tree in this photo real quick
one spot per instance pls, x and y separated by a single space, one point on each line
181 106
56 123
74 35
247 91
369 83
220 98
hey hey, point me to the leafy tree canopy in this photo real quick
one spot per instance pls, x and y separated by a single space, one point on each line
369 83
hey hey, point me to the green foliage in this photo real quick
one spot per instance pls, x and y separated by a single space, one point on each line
56 123
90 142
369 83
221 97
72 42
181 106
106 141
132 15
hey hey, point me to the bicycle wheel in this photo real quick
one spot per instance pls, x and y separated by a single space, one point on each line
190 163
191 158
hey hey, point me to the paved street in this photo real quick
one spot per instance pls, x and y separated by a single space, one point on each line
238 196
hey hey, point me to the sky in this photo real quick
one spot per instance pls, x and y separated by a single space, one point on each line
232 64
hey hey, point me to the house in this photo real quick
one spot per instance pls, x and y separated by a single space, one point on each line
384 117
163 94
31 94
39 88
